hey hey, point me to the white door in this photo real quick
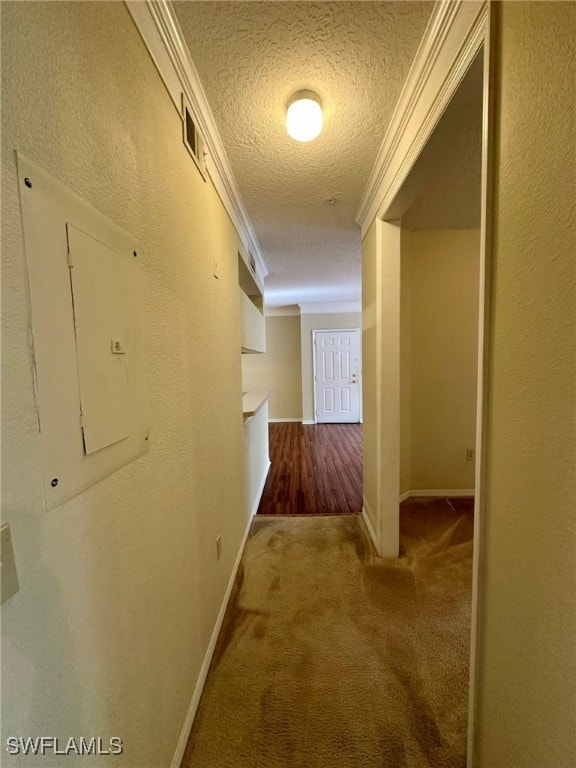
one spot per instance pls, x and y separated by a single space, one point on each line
337 376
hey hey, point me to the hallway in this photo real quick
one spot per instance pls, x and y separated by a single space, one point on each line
162 233
316 470
330 657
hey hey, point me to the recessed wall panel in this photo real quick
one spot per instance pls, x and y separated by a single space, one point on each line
328 399
328 366
345 371
345 399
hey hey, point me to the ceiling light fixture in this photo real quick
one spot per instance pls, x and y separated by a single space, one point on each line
304 118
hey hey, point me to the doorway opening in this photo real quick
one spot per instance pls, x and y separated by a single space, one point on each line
431 267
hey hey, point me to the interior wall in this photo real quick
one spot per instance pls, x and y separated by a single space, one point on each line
389 250
119 587
381 317
318 322
527 602
440 346
280 369
405 361
369 375
256 449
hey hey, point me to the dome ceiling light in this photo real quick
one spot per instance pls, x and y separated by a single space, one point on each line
304 119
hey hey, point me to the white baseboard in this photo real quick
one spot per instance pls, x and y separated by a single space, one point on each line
440 493
368 524
308 421
274 421
187 727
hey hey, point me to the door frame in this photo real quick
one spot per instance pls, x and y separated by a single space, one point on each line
456 33
358 332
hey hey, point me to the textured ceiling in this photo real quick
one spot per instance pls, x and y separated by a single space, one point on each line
251 57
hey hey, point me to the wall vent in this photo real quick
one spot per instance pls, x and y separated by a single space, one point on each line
192 137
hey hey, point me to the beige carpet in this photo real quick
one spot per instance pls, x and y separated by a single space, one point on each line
332 658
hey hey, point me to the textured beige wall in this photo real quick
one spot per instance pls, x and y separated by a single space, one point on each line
369 362
444 283
318 322
390 233
120 587
280 369
405 362
527 611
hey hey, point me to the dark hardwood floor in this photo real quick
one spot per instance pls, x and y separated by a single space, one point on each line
316 470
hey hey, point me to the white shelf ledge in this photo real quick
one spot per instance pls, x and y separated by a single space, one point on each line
253 401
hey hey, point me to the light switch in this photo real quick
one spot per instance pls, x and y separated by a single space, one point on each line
9 580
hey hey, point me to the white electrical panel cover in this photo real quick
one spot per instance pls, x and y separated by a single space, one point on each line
84 291
103 317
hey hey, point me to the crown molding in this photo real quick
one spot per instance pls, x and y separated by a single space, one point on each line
163 37
288 311
331 308
452 39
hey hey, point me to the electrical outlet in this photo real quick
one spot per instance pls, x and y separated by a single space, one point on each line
218 547
470 454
